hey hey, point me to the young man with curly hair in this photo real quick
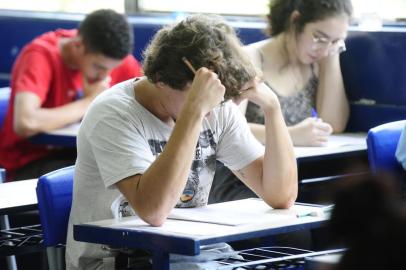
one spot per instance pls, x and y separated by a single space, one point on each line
150 144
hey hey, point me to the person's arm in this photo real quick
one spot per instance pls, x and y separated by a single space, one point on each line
272 177
155 193
332 104
30 118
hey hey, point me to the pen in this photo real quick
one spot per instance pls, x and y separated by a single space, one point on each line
189 65
328 208
313 113
314 213
306 214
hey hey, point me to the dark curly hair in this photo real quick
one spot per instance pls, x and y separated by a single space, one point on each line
310 11
107 32
206 41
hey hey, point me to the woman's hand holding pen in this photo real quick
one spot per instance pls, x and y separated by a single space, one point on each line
310 132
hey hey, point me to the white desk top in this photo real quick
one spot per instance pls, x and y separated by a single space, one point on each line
337 144
242 216
187 237
17 194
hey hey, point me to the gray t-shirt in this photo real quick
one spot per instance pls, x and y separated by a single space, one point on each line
119 138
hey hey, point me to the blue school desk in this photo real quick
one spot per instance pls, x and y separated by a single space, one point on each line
17 197
345 155
186 237
339 145
318 167
63 137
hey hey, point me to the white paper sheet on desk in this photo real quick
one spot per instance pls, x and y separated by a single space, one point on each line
336 143
234 213
338 140
173 227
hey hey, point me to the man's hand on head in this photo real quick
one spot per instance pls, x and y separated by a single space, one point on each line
259 93
206 91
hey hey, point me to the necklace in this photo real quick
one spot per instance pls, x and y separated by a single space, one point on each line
296 72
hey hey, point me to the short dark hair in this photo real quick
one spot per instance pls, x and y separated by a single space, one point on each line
310 11
206 41
107 32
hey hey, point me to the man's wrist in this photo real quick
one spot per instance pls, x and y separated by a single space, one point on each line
271 107
193 112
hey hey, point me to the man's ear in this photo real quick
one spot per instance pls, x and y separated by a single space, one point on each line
79 45
160 85
294 17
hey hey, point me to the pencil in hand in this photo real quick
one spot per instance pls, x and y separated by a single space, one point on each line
189 65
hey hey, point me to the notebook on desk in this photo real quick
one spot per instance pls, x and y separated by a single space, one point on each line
241 212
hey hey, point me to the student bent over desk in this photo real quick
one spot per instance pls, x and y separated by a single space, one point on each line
150 144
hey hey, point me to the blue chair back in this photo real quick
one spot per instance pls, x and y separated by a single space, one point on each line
4 98
382 142
373 69
54 193
2 175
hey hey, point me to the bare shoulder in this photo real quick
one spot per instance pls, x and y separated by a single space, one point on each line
258 46
254 51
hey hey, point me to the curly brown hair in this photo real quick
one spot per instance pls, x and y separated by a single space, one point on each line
206 41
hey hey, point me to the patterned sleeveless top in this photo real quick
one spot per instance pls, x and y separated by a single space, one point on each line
295 108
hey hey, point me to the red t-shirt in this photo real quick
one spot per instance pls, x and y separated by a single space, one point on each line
40 69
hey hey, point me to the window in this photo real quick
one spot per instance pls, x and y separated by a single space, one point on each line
234 7
74 6
388 9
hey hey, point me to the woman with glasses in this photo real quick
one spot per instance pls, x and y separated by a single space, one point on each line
300 63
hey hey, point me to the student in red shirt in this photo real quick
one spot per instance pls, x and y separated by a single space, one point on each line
49 75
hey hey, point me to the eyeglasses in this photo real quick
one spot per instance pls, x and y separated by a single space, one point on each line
337 46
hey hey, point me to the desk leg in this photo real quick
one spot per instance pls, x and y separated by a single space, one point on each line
160 261
11 260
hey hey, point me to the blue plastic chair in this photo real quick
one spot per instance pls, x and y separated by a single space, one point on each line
54 193
382 142
4 99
